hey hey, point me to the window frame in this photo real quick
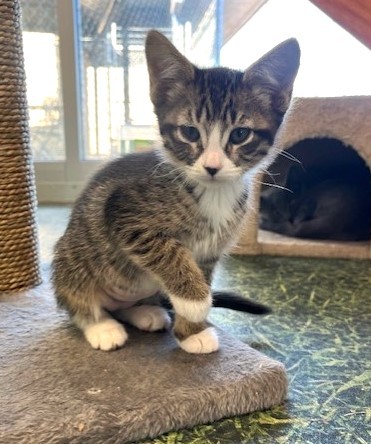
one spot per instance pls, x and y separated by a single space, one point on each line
62 181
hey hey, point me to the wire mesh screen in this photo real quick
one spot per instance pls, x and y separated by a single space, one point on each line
41 53
118 115
118 112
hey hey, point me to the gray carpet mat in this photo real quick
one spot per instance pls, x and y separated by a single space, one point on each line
56 389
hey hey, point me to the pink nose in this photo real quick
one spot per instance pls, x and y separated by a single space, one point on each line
213 161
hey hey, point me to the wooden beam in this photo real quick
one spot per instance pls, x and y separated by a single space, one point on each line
352 15
237 13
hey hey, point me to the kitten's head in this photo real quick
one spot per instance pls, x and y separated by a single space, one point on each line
219 123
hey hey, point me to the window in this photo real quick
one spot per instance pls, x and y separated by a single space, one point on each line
41 53
87 78
88 88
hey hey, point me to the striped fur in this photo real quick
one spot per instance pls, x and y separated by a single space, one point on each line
158 222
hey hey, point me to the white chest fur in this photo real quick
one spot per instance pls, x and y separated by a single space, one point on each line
217 204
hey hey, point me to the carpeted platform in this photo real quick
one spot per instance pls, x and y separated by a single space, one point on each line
55 388
320 329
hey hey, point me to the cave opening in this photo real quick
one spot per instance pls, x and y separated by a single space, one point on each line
319 188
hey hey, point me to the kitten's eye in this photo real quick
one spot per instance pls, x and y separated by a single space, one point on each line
190 133
239 135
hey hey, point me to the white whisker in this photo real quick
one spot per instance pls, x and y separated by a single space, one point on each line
271 175
289 156
274 185
169 173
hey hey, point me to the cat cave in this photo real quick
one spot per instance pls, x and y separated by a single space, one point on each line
327 140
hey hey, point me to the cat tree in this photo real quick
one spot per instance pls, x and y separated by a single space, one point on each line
347 119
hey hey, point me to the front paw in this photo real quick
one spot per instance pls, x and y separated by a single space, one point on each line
204 342
106 335
192 310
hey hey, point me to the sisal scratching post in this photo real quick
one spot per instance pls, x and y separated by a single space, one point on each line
19 262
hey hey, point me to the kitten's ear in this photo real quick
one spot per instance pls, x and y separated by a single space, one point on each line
275 73
168 69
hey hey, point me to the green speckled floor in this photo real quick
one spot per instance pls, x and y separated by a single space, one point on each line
320 329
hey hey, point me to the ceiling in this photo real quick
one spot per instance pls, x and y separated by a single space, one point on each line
352 15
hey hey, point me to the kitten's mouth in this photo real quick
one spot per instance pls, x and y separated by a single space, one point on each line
215 180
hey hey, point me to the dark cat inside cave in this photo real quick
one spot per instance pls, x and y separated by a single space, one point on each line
326 193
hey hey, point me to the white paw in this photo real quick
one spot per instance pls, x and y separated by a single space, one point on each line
193 311
204 342
106 335
146 317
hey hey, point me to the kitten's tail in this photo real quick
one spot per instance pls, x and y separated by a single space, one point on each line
231 300
234 301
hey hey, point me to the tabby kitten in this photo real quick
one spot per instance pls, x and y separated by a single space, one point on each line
159 221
